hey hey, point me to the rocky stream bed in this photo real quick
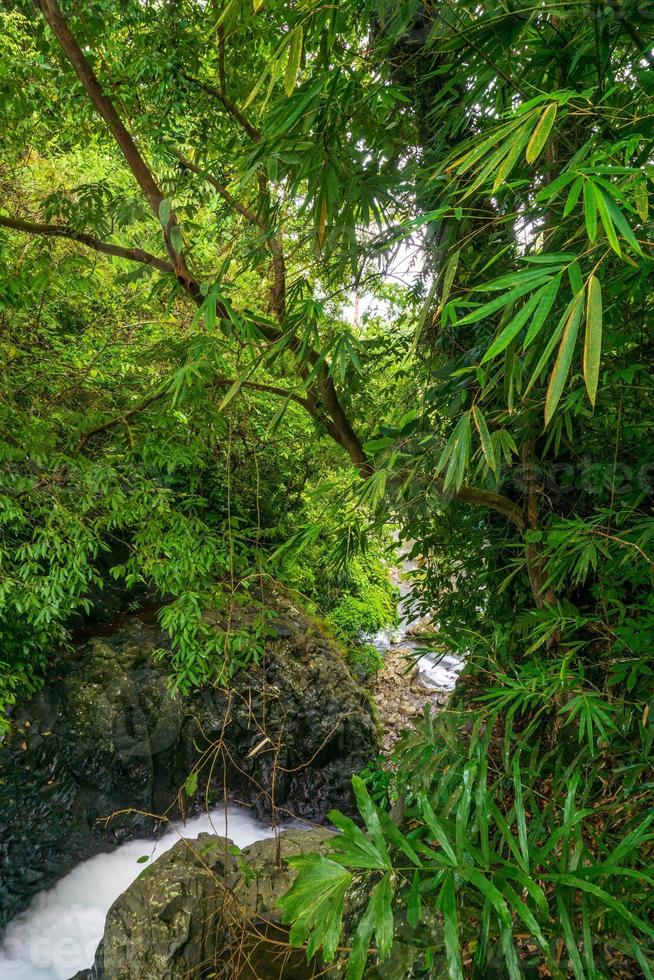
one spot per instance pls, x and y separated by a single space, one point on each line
93 762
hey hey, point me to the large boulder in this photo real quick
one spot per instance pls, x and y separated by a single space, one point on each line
106 734
200 911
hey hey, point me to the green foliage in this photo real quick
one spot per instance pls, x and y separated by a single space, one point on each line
365 658
181 377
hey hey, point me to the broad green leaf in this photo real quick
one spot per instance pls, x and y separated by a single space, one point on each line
352 847
294 59
368 811
435 827
176 238
383 915
488 889
541 132
394 836
563 361
191 783
593 337
314 903
356 961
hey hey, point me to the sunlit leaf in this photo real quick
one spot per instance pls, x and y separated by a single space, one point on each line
593 337
541 132
563 361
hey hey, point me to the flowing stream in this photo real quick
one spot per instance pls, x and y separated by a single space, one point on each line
59 933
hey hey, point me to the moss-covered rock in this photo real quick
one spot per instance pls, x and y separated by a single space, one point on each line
106 734
200 911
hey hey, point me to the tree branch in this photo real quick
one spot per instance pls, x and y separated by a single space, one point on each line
489 501
222 190
227 104
140 170
63 231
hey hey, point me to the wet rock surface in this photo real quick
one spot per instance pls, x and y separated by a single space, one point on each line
107 735
202 911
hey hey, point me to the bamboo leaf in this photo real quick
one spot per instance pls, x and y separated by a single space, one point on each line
573 196
447 901
590 210
509 161
607 221
641 199
294 59
541 132
563 361
593 337
513 327
547 297
487 309
448 277
484 436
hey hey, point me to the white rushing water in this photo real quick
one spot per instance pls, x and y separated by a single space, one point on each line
59 933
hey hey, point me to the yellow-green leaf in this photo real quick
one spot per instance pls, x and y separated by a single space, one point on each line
516 144
641 200
593 337
448 277
294 58
541 132
563 361
484 436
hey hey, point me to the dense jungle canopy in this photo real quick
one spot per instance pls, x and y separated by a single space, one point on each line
284 282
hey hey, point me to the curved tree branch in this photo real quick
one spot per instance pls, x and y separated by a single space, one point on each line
140 170
108 248
227 104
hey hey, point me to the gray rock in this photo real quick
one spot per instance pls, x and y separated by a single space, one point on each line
199 910
106 735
